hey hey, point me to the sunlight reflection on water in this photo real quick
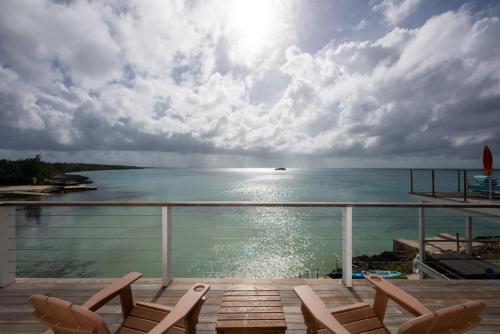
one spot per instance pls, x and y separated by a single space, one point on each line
272 242
217 242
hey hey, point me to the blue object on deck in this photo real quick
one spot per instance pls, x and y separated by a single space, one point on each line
358 274
481 183
383 273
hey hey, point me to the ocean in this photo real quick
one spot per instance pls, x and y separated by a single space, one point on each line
225 242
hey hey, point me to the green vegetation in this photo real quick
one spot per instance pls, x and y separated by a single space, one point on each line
24 171
62 167
36 171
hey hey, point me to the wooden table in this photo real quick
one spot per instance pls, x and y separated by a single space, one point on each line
251 309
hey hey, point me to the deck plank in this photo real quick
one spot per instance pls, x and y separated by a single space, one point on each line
15 312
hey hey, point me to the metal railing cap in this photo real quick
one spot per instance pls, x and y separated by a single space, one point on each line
251 204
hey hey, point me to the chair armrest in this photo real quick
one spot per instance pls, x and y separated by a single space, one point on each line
405 300
188 302
318 309
111 291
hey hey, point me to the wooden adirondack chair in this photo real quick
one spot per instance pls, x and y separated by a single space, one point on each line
64 317
362 318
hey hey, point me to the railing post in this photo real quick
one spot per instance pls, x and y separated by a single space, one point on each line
347 246
433 183
421 238
468 235
490 187
7 245
411 180
166 237
465 185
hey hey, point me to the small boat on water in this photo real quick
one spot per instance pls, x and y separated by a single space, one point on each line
280 168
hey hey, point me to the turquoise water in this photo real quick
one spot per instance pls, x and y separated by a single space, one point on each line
224 242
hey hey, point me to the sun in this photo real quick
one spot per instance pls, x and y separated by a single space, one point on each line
253 25
252 21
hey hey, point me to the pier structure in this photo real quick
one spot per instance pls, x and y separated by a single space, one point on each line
442 185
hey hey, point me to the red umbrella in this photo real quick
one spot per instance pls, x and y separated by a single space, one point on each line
487 160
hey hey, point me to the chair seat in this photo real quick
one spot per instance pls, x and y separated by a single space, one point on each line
144 317
359 319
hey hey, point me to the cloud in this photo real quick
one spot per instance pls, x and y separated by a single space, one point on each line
396 10
419 91
361 25
153 76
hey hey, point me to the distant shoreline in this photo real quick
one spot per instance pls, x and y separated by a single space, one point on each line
64 167
35 171
62 181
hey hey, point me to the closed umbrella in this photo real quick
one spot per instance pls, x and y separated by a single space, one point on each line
487 160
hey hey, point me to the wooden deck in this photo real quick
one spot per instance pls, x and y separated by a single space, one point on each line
459 196
15 313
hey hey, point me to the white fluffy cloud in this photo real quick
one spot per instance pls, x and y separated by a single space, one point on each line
174 77
396 10
411 90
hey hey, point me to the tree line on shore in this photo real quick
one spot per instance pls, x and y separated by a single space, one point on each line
35 171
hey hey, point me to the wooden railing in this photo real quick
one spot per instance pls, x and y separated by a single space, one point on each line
8 245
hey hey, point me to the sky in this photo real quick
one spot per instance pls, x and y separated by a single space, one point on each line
240 83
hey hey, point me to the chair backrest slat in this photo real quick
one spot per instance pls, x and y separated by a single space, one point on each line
458 318
89 320
470 317
42 309
418 325
63 317
62 310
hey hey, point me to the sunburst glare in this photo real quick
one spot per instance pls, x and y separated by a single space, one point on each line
255 26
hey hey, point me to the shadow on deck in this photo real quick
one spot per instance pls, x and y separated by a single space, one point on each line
15 312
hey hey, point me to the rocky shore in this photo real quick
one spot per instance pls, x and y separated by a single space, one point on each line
387 260
69 180
402 261
60 183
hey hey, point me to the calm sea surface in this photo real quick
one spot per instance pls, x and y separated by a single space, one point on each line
225 242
